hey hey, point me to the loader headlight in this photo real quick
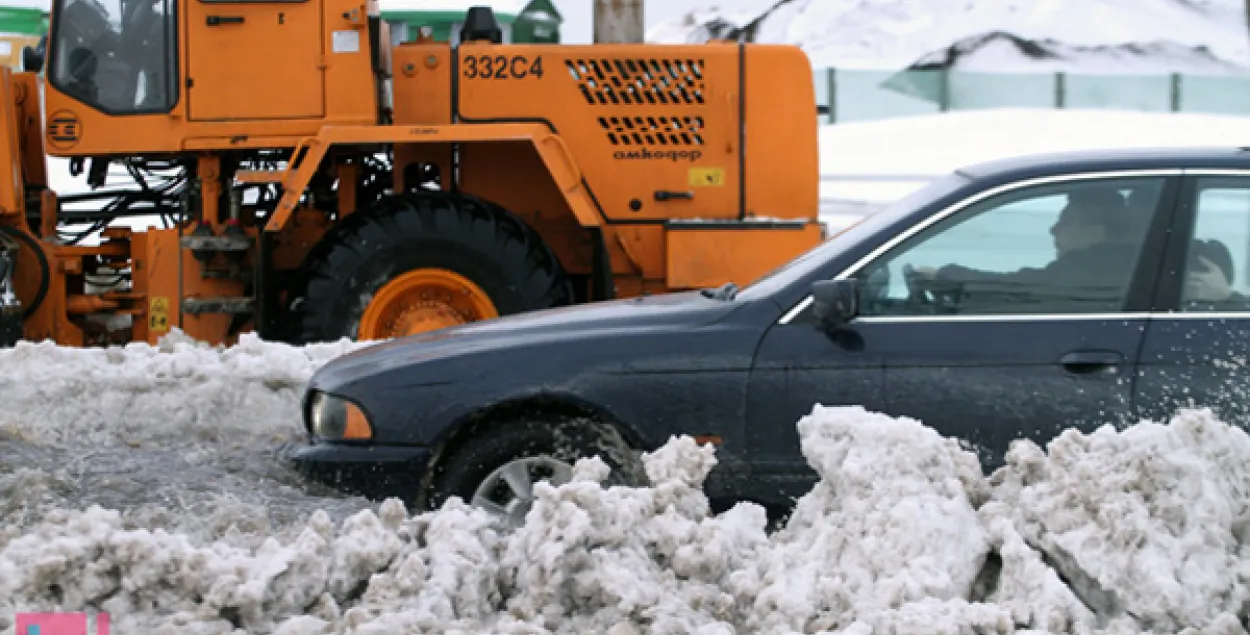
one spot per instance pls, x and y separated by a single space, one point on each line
335 418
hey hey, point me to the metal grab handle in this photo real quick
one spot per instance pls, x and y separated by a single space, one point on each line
664 195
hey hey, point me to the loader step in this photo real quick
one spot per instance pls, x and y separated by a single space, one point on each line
224 304
217 243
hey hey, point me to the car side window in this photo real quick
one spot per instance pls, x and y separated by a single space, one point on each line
1216 276
1058 248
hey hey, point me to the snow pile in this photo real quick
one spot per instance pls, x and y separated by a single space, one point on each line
701 25
181 435
998 51
1087 35
1134 531
180 388
891 523
1150 526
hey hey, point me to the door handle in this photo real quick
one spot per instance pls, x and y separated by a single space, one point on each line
216 20
1084 362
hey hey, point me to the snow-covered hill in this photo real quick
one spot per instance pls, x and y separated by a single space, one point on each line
1151 36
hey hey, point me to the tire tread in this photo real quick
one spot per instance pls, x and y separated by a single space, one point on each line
406 223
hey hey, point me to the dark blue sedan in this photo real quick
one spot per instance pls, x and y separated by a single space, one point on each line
1007 300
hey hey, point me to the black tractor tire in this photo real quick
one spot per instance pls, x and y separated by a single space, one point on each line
460 472
479 240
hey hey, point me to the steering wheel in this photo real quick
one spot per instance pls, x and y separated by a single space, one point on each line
933 294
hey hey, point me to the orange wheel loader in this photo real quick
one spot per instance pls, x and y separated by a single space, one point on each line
310 181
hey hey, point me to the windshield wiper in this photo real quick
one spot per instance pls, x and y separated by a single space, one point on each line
727 291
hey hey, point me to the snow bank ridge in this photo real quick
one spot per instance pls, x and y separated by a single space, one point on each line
1142 530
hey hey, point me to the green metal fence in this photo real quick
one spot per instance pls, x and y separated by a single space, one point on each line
858 95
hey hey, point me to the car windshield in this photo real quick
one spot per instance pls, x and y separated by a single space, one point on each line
804 264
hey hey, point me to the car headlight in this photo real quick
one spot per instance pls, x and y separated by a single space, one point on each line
332 417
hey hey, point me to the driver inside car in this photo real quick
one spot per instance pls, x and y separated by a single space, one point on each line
1094 256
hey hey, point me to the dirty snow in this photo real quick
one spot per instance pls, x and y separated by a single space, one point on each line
181 435
146 482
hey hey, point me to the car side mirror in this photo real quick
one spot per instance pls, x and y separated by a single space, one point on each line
835 302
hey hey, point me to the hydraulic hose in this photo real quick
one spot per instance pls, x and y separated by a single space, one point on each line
45 272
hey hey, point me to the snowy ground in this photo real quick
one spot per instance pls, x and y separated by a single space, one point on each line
161 500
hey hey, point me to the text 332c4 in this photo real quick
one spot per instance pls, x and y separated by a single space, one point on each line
502 67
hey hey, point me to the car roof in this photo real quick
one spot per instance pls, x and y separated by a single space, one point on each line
1057 163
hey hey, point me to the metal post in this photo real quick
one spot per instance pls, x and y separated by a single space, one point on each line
1174 92
619 21
831 79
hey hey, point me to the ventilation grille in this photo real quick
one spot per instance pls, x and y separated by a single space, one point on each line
665 131
625 82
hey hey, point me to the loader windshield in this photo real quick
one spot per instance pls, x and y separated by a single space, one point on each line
116 56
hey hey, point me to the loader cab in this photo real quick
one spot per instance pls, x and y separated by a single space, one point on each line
116 56
150 76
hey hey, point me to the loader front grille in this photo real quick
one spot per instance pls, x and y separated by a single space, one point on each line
626 82
675 131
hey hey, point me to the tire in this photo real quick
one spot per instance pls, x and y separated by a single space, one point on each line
507 263
468 467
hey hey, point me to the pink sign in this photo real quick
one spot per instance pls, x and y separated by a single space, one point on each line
61 624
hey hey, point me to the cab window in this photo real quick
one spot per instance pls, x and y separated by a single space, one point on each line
117 56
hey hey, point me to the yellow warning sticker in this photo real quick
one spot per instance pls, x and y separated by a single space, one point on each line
158 314
707 177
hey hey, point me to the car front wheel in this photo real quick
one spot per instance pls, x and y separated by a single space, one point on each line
496 469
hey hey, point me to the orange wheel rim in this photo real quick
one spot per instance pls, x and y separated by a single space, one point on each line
424 300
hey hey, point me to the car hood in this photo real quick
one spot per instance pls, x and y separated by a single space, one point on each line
578 324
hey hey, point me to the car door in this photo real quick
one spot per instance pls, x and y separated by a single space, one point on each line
797 366
987 365
1197 341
